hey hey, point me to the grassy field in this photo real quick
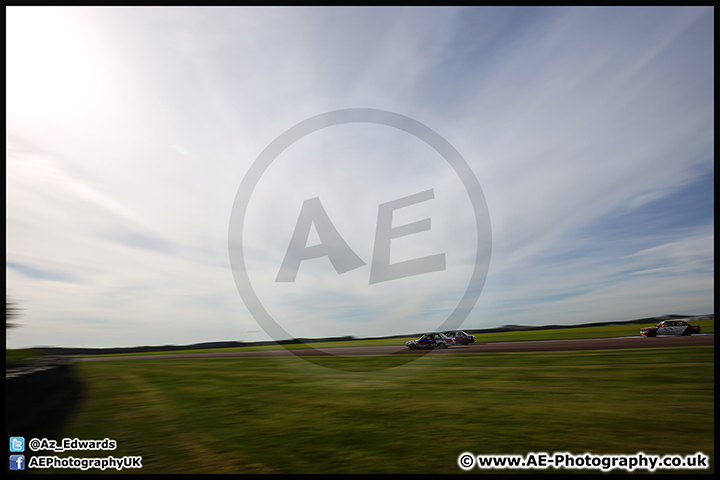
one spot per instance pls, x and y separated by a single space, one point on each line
285 415
17 356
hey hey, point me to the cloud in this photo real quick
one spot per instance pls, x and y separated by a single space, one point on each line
42 274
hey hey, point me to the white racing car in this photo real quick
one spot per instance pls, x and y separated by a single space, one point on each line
430 340
670 327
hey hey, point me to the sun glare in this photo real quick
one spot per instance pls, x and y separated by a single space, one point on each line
50 70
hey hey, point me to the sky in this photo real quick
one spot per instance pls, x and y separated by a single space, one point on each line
131 130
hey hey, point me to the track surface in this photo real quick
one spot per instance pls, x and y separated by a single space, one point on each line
529 346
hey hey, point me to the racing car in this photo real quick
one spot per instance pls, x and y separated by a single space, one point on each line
460 337
430 340
670 327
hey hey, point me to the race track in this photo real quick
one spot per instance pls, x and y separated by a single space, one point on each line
528 346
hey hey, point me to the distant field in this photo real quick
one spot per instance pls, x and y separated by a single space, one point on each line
15 356
285 415
707 326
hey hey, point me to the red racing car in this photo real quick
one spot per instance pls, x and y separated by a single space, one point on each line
460 337
670 327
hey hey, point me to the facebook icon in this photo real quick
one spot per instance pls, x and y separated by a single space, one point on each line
17 462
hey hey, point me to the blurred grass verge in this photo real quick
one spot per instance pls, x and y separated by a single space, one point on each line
15 357
285 415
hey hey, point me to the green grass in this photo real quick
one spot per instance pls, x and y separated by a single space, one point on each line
15 357
286 415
